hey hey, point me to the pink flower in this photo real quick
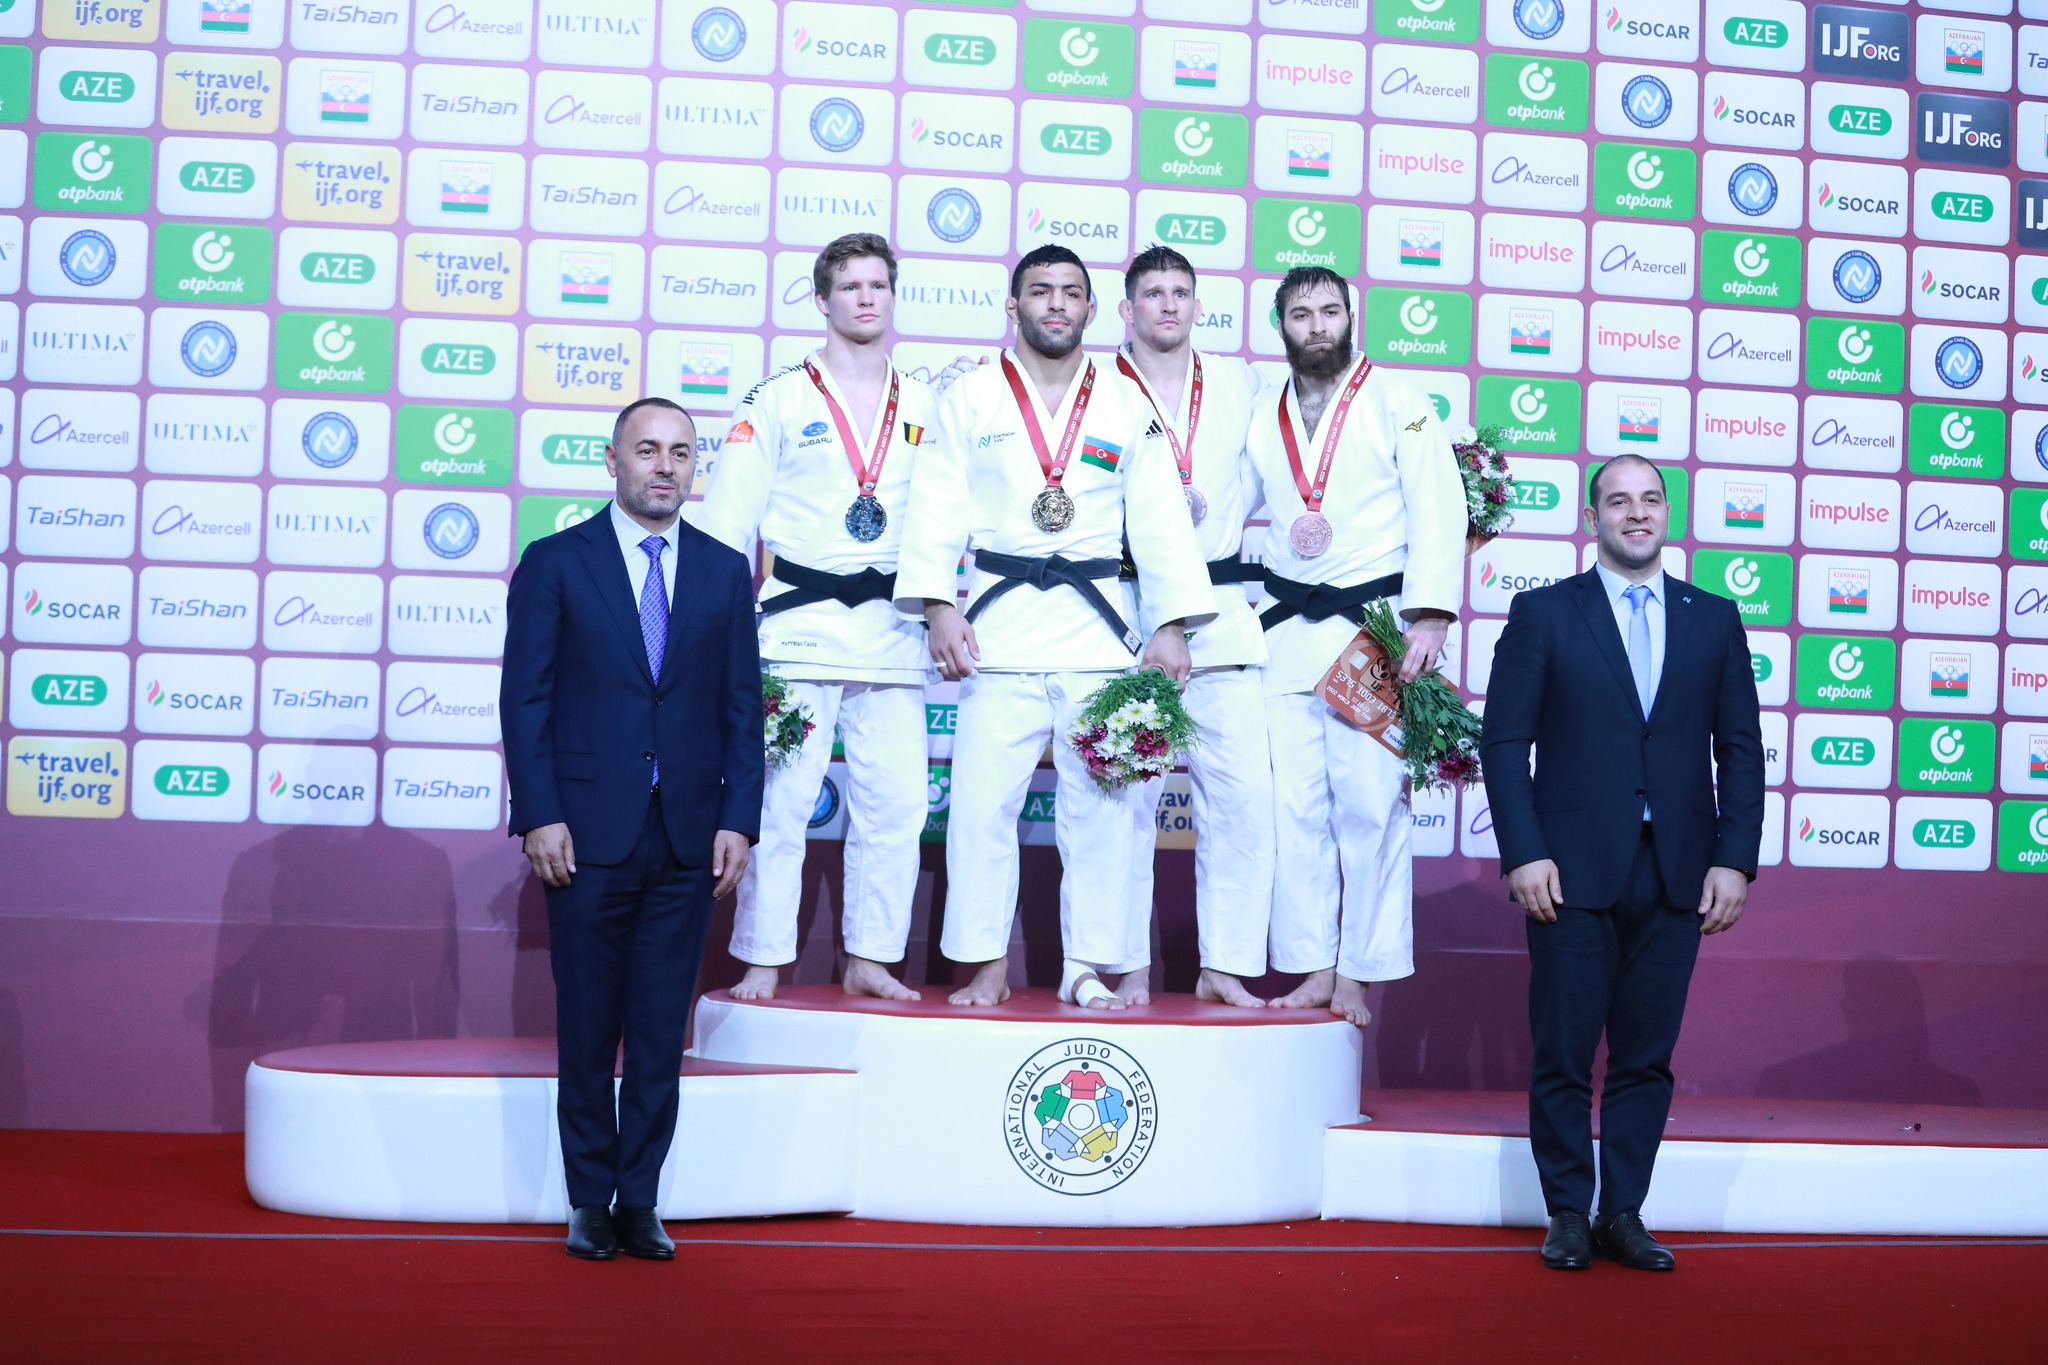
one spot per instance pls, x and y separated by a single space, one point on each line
774 704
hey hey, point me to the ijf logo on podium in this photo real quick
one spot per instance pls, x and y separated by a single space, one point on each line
1080 1116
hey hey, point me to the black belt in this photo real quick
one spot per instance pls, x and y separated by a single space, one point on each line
1051 572
1320 601
815 585
1235 570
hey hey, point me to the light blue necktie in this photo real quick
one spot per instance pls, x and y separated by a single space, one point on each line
1638 596
654 616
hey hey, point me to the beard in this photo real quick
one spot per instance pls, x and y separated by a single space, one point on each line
1323 364
1047 344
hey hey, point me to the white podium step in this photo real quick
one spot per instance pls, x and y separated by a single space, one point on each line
1726 1165
1042 1114
463 1131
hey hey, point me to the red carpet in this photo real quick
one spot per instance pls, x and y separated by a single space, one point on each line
205 1275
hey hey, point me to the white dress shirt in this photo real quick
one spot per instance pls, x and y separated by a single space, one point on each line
1617 587
630 534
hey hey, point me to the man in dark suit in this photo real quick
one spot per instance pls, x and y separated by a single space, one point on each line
633 739
1626 681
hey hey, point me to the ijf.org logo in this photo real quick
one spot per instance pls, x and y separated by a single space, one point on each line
208 349
836 124
1959 362
953 215
718 35
87 258
451 530
1539 19
329 440
1753 189
1646 101
1080 1116
1857 277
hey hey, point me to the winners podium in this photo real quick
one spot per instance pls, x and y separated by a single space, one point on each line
1036 1113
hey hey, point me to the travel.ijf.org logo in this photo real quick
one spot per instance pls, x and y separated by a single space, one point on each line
1079 1116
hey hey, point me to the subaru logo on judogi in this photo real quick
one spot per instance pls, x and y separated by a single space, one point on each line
816 429
451 530
718 35
1539 19
208 349
1959 363
954 215
836 124
1753 189
329 440
1857 277
1647 101
86 258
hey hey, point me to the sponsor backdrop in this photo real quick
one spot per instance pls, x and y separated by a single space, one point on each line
314 315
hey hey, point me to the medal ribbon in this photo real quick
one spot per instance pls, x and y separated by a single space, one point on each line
1312 493
1054 467
1184 460
870 474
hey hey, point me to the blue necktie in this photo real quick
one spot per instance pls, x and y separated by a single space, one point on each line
1638 596
654 616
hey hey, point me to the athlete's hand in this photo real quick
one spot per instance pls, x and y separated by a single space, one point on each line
1425 640
1168 652
954 648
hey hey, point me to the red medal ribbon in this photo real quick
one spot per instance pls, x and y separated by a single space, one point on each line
1055 467
869 474
1312 493
1184 460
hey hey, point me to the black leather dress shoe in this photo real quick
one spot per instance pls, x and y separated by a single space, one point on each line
641 1234
1622 1239
1569 1243
590 1233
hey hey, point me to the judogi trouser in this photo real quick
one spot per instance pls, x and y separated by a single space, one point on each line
1343 821
1005 722
1232 775
883 727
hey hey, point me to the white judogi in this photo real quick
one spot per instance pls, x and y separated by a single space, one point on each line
785 475
1397 505
1229 769
1042 651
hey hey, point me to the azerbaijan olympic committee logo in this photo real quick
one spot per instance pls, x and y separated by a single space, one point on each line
1079 1116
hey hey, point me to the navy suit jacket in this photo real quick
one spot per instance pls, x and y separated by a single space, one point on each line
585 719
1561 683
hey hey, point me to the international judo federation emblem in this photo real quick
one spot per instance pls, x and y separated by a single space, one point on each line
1080 1116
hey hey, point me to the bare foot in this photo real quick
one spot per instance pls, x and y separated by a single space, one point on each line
1136 987
1347 1002
990 986
757 984
862 977
1221 988
1312 994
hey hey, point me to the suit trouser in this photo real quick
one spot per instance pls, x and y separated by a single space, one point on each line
883 727
1624 971
1005 722
625 941
1231 772
1343 886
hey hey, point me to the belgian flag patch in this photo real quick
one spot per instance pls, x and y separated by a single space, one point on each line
913 435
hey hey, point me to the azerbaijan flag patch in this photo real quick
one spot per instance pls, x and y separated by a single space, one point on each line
1101 454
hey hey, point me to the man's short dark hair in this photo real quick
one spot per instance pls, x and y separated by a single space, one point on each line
1629 457
1153 260
619 422
1305 278
1052 253
852 247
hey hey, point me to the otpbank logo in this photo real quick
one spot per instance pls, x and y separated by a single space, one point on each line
1079 57
334 352
1759 582
1957 441
2022 836
1849 672
99 172
1434 21
1636 180
1947 755
1418 326
1859 355
1551 93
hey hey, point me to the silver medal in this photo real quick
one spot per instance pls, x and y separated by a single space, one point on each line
1198 506
1052 511
866 518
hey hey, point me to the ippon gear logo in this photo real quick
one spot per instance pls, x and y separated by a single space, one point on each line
1080 1116
836 124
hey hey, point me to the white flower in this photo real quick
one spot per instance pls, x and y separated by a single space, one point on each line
1465 435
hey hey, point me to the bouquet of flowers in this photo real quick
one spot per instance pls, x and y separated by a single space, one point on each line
1439 732
1489 488
786 721
1134 727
